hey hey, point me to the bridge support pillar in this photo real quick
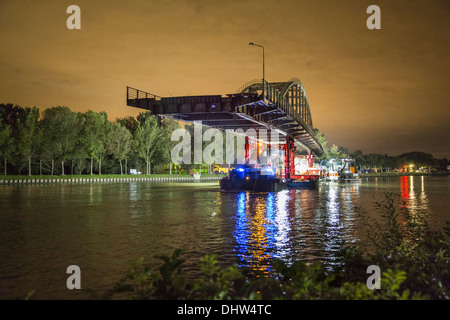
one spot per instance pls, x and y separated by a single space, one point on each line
247 150
289 157
310 159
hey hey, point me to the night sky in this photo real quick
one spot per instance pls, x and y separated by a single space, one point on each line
383 91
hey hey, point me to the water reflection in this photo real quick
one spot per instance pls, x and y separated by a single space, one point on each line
101 226
294 225
333 223
423 195
251 230
282 228
262 229
411 198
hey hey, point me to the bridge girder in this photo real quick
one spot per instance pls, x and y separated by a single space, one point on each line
284 107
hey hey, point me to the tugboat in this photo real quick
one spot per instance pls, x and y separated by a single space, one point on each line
252 178
302 183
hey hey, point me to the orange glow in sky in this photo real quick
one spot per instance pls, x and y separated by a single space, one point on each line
382 91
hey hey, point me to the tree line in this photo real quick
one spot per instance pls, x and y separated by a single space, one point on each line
382 162
59 141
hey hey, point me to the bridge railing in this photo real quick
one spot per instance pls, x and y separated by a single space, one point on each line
247 84
192 99
140 99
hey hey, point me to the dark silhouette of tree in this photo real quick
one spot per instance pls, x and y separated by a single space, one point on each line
61 130
29 136
120 141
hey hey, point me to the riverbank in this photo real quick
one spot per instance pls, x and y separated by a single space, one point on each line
16 179
23 179
400 174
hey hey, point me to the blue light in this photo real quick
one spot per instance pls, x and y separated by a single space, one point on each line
267 171
241 232
240 169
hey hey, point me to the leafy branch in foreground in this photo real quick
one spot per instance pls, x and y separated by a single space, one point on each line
404 240
300 281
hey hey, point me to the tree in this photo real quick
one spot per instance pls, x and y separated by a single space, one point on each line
95 136
324 143
358 156
336 152
168 126
61 131
29 136
120 143
374 160
131 124
79 155
12 115
148 139
48 148
392 162
6 143
419 159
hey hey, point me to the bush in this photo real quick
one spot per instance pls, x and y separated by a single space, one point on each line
405 240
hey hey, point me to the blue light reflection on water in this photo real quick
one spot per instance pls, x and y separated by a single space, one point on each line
293 225
262 229
241 232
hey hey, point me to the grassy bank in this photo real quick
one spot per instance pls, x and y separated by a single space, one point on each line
400 174
46 178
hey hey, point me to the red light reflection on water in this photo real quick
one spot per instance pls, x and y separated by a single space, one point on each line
404 189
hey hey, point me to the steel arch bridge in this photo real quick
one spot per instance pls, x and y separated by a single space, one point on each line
280 106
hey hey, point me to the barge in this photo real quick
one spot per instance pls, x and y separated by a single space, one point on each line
252 178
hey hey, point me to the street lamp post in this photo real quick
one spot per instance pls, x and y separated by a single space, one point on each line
263 79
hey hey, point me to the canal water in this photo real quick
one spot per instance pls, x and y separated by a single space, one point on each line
101 227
